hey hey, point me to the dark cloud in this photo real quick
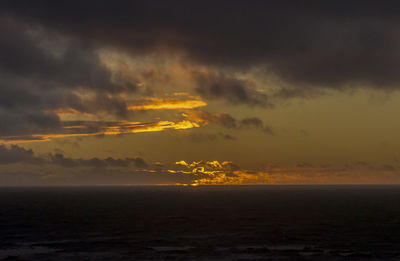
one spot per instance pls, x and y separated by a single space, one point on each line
100 163
255 123
41 72
223 119
53 61
297 91
59 159
98 129
138 162
230 122
323 43
231 89
19 124
49 50
15 154
21 166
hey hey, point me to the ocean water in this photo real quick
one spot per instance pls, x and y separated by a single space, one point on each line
200 223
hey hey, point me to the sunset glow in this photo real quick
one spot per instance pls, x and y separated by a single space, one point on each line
258 99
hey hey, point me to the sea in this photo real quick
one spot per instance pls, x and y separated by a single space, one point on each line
353 222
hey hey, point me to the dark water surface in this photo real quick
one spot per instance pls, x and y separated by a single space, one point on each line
200 223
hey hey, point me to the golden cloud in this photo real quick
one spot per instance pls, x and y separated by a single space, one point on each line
89 107
223 173
168 104
92 128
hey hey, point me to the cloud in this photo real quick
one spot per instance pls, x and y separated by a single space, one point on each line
229 88
204 117
50 59
42 72
227 121
16 154
227 173
219 173
47 76
173 103
59 159
328 43
97 128
26 123
256 123
20 166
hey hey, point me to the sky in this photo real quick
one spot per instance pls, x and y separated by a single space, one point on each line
199 92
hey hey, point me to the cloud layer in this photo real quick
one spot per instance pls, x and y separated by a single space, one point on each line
78 68
326 43
50 62
20 166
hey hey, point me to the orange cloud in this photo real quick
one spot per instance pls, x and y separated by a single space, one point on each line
91 128
220 173
90 109
233 178
226 173
168 104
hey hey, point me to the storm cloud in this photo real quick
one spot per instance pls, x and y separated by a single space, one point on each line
42 72
327 43
231 89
